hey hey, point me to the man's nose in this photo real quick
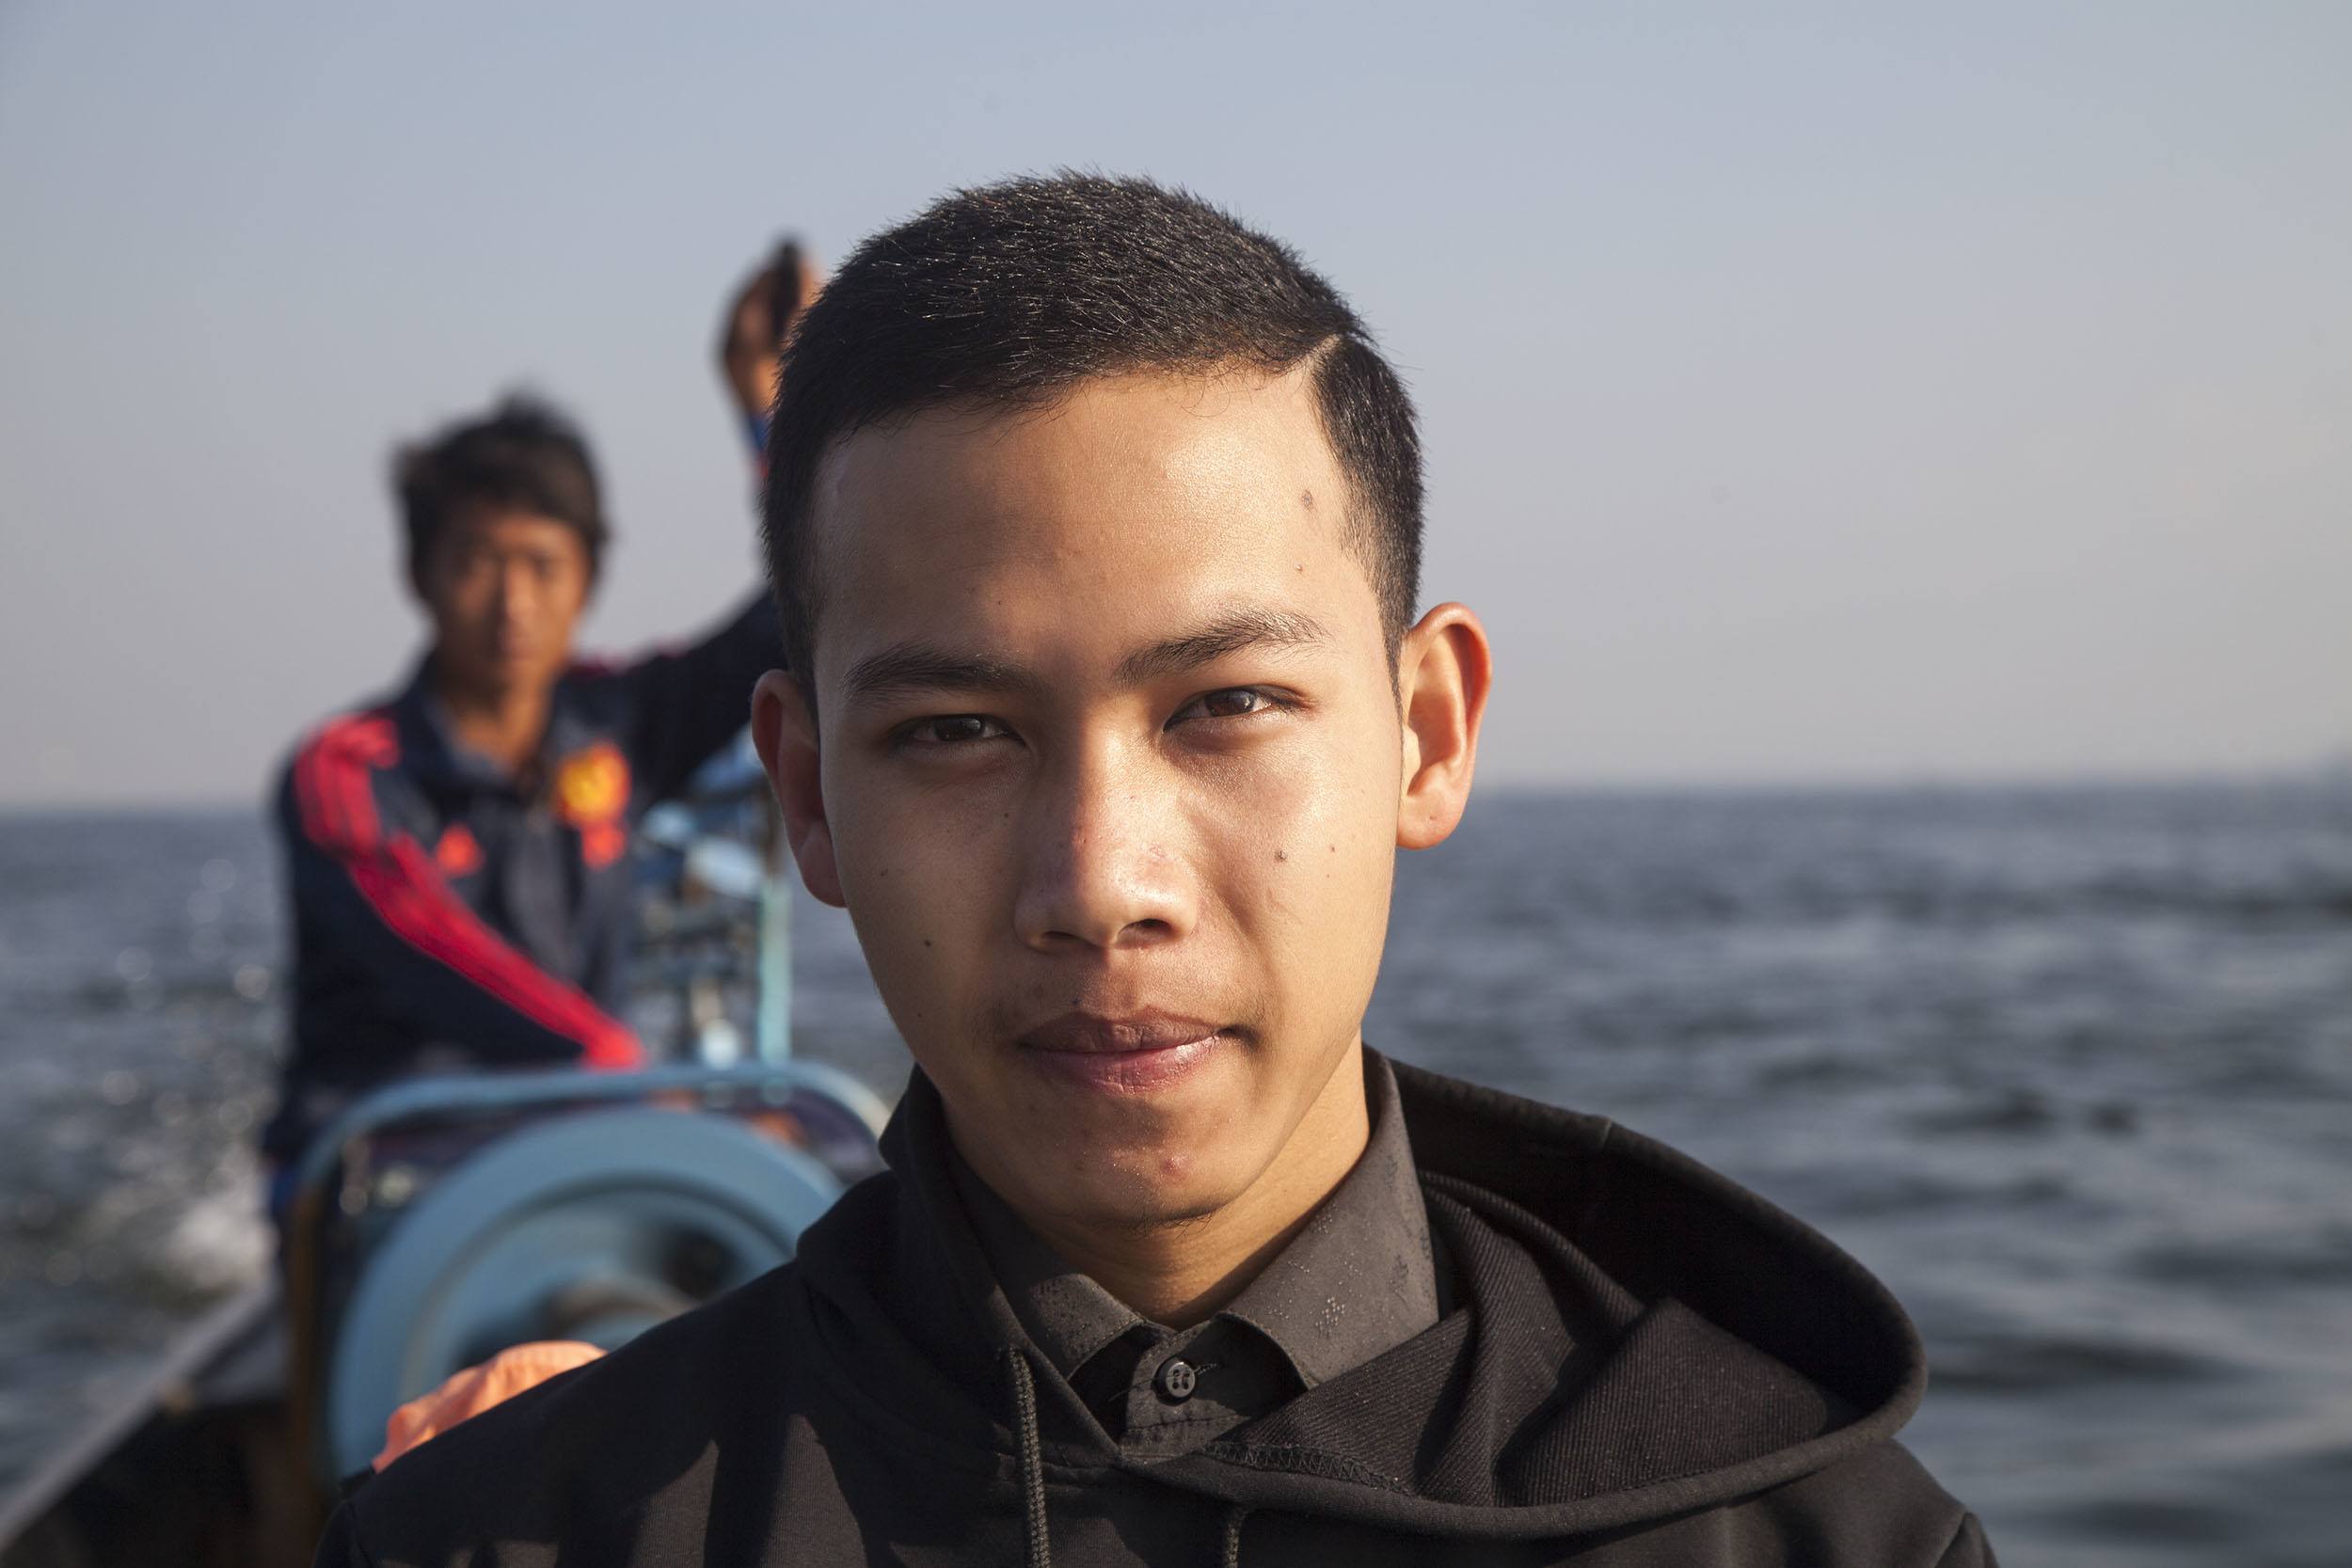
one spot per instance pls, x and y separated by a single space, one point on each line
1099 867
519 590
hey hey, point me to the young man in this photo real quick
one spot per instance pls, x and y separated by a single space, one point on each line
1096 522
457 851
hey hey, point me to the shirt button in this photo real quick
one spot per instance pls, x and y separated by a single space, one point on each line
1177 1379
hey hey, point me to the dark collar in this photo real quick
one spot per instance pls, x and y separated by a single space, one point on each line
431 748
1359 1280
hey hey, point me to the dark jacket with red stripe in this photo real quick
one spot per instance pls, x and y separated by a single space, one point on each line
450 916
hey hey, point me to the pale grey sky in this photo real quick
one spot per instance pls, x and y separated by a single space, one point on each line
1847 393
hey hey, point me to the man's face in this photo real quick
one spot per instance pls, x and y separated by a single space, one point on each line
504 590
1110 765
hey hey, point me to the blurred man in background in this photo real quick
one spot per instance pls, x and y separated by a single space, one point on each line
457 851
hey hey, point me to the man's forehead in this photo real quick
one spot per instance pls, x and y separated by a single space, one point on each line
490 522
1158 500
1113 453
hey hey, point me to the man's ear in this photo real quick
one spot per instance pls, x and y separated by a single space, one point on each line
1444 668
785 732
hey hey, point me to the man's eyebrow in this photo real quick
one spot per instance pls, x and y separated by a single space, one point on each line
1229 633
906 668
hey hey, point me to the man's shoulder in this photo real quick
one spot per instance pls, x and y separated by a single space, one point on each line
595 1442
366 735
329 788
1877 1504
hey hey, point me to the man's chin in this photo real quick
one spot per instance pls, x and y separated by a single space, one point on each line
1130 1152
1145 1182
1146 1205
498 675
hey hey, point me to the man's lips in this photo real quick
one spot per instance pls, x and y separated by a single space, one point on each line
1092 1032
1124 1054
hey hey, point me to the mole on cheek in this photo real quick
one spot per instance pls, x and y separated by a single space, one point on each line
1307 500
1281 854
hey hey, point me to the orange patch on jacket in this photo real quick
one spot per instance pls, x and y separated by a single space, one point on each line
601 843
458 853
591 785
592 795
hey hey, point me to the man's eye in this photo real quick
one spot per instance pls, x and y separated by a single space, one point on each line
954 729
1234 702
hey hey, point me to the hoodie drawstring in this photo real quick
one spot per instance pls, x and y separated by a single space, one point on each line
1041 1551
1038 1550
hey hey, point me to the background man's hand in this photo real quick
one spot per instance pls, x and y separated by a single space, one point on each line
750 332
469 1393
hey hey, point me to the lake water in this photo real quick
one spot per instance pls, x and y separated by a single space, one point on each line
2069 1069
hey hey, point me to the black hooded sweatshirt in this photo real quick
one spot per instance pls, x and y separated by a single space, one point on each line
1642 1364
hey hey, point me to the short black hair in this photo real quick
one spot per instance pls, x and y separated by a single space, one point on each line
1011 294
524 455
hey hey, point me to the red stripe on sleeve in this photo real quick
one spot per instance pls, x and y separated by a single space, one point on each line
407 891
334 816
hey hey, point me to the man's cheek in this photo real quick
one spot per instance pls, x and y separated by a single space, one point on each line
920 926
1314 818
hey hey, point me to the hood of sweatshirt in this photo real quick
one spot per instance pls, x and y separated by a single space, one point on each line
1632 1337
